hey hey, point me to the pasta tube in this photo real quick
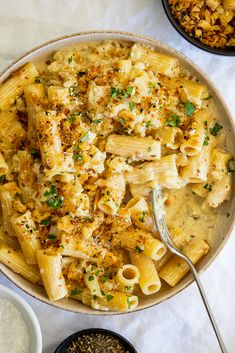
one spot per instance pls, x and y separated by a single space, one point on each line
143 148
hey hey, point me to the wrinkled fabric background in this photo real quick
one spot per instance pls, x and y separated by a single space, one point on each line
179 325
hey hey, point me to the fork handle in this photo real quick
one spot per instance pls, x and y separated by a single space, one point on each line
207 306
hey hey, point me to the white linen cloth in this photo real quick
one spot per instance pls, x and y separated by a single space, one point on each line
179 325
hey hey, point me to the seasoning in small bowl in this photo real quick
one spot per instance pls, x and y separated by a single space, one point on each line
95 341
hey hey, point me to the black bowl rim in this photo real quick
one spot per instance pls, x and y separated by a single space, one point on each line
65 343
192 40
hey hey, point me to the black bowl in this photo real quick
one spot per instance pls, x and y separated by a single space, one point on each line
229 51
66 343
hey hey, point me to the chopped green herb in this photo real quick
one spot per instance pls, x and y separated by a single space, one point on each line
104 279
208 97
78 157
148 123
73 91
159 84
75 291
128 303
123 121
102 292
189 108
91 278
173 120
35 153
97 121
207 187
138 249
149 149
214 131
206 140
46 222
141 219
150 87
108 192
81 73
205 123
52 237
98 272
227 214
73 117
54 200
109 297
70 59
121 93
131 106
3 179
84 137
128 287
27 226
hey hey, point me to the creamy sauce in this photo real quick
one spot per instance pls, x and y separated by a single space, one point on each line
184 211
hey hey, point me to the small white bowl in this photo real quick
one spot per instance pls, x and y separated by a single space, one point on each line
35 336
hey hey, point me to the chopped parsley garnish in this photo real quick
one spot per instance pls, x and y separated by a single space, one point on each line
131 106
159 84
78 157
173 120
75 291
141 218
207 187
150 88
102 292
227 214
189 108
118 93
53 199
84 137
208 97
70 59
205 123
148 123
138 249
149 149
97 121
109 297
98 272
73 116
206 140
128 303
214 130
104 279
73 91
3 179
230 166
128 287
123 121
91 278
52 237
35 153
46 222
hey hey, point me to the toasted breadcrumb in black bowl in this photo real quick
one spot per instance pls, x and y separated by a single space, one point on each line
95 340
227 51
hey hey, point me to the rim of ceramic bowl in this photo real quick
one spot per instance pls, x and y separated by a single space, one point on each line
126 36
62 348
29 317
193 40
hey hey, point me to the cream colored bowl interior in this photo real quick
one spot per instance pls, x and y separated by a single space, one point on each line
224 229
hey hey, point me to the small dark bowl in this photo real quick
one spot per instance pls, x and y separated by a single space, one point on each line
229 51
66 343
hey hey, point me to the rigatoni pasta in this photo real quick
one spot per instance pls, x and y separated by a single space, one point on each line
84 138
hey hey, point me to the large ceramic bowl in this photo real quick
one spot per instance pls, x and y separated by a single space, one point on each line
224 229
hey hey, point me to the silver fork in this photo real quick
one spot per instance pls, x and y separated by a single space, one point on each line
158 212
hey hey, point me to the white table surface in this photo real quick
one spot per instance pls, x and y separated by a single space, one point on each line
180 324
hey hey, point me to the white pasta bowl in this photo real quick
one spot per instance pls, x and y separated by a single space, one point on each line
32 324
224 228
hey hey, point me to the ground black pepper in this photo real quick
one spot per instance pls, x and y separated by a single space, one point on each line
96 343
